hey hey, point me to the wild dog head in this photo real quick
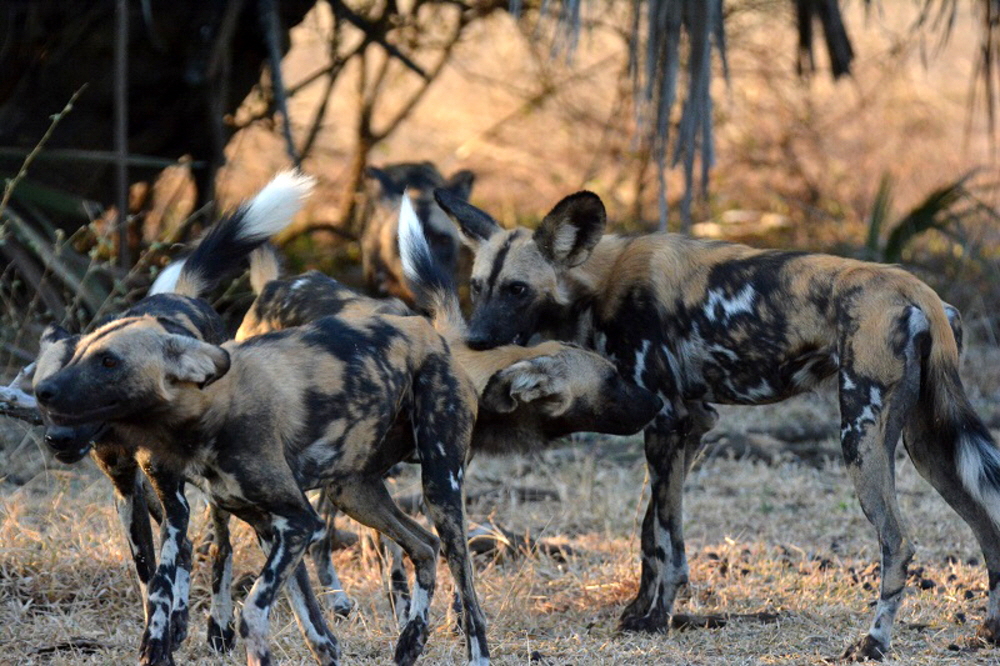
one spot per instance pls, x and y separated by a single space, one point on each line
569 390
125 370
517 277
378 245
69 443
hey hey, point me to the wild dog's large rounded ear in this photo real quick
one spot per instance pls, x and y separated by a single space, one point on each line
54 333
190 360
476 226
541 380
460 184
568 234
388 186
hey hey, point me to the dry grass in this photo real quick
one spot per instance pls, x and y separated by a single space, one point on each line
788 539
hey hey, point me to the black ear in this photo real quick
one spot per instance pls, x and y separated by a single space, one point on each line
388 186
460 184
476 225
570 231
539 380
190 360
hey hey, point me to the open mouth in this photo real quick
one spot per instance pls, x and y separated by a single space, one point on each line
70 457
89 416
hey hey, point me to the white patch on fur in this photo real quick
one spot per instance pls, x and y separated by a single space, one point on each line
974 454
276 204
476 657
412 243
420 603
737 304
166 281
455 484
222 603
640 363
565 239
182 588
297 600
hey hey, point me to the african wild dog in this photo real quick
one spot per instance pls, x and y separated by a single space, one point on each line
527 396
331 404
224 247
379 254
712 322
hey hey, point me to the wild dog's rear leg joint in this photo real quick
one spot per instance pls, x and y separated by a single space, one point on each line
221 629
664 566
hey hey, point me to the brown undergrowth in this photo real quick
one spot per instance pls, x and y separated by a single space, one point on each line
785 539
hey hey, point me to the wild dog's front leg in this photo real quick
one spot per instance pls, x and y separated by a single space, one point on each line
285 539
672 441
130 503
156 646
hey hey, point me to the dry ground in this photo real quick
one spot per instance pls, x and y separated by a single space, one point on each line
787 538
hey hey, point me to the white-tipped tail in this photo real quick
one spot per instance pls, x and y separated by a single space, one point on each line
413 246
275 206
979 469
166 281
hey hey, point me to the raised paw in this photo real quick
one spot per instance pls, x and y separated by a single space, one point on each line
411 642
221 639
865 649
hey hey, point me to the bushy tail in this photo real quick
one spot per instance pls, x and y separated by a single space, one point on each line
954 420
433 287
224 248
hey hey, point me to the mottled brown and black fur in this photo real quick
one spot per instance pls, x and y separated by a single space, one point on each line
706 322
334 403
527 396
386 186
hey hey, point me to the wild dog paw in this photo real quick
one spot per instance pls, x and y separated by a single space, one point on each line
411 642
865 649
155 652
221 639
340 605
989 631
178 626
652 623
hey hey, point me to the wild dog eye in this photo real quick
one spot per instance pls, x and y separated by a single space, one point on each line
109 361
517 289
475 286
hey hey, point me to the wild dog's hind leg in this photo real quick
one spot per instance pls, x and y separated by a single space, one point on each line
221 630
285 537
333 595
672 442
879 386
368 502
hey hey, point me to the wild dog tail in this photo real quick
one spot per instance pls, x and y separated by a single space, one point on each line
954 421
433 287
264 267
227 243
